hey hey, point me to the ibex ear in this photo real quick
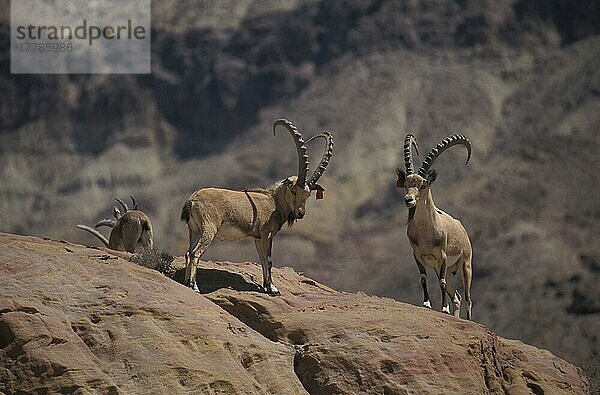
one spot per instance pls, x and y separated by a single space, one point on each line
401 178
287 181
431 176
116 212
319 190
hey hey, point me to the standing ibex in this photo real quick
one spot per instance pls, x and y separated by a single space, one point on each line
256 213
131 232
437 239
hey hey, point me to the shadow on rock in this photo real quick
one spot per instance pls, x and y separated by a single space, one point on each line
210 280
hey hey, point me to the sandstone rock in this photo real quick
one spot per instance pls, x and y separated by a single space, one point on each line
78 320
349 343
83 320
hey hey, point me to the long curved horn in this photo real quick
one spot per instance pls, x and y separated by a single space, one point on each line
106 222
93 231
134 203
410 142
324 160
125 208
300 148
443 146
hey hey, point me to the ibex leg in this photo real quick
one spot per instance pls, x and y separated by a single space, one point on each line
426 300
264 247
454 295
467 276
442 274
198 245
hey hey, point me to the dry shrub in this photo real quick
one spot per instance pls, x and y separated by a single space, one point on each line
155 259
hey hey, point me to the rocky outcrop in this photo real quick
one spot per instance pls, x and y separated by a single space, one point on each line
78 320
75 319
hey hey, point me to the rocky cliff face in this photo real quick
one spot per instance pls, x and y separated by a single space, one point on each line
520 78
81 320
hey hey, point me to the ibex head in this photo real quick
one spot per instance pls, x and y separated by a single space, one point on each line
417 185
117 213
125 207
295 197
296 189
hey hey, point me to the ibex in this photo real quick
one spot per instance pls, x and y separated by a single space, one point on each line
131 232
437 239
252 213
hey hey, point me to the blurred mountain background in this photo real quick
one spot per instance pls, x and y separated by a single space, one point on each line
520 78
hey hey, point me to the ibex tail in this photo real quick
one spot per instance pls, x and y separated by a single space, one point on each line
186 210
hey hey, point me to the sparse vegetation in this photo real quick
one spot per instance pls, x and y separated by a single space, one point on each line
592 371
156 259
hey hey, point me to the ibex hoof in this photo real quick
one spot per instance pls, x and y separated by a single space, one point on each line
446 309
271 290
427 304
193 286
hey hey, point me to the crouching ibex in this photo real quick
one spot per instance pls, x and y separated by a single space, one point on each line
131 232
437 239
257 213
